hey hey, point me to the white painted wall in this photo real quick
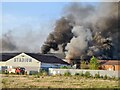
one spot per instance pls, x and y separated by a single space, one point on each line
53 71
24 60
2 63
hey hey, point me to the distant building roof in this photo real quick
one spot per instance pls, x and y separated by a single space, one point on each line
38 56
109 62
7 56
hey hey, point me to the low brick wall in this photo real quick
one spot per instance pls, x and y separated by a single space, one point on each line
53 71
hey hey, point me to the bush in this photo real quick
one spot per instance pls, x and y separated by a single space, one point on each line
43 72
81 74
76 74
37 76
105 77
33 73
87 74
101 76
93 63
63 67
97 75
67 74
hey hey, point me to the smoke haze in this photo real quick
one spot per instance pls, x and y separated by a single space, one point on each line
82 31
94 31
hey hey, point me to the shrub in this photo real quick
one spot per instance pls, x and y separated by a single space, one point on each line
81 74
101 76
105 77
93 63
33 73
43 72
66 67
67 74
116 78
37 76
63 67
97 75
87 74
76 74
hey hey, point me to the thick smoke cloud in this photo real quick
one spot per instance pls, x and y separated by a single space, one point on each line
60 36
79 43
95 31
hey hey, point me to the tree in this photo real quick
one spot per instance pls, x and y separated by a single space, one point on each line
93 63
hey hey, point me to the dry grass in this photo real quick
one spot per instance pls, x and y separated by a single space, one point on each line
26 81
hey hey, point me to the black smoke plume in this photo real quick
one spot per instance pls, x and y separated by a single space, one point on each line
87 30
60 36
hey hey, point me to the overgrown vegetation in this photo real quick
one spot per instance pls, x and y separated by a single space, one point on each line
67 74
77 74
97 75
87 74
65 67
72 81
93 63
43 72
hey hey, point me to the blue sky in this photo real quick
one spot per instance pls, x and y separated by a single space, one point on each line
22 16
29 14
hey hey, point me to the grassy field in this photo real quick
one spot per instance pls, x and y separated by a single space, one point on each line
34 81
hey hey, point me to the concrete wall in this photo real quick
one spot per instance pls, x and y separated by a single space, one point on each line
92 72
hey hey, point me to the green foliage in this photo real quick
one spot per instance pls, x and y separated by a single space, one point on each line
37 76
43 73
97 75
81 74
93 63
105 77
63 67
87 74
77 74
33 72
67 74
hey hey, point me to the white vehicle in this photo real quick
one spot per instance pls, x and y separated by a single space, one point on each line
11 70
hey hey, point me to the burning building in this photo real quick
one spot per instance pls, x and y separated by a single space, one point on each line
87 30
84 30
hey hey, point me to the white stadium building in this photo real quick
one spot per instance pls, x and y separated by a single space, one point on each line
31 61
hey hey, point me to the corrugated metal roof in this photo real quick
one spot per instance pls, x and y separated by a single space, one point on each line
7 56
38 56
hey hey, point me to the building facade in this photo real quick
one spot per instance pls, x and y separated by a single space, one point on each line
31 61
112 65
